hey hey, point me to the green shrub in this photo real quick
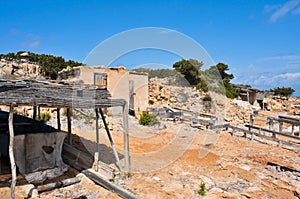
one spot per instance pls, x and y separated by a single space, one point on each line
16 111
89 118
45 117
202 189
148 119
144 119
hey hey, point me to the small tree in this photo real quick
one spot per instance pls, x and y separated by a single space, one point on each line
283 91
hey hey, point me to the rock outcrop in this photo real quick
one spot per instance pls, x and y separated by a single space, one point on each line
19 69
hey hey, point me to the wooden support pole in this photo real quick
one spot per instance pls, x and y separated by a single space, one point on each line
110 186
110 140
126 138
58 119
69 126
293 129
97 134
11 152
39 112
271 127
34 113
280 126
251 124
63 183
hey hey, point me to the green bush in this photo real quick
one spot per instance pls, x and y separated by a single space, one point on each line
65 111
145 119
45 117
202 189
88 118
148 119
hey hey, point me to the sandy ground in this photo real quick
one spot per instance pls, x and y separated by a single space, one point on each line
173 162
233 168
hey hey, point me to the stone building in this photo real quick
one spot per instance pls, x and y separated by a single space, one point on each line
121 83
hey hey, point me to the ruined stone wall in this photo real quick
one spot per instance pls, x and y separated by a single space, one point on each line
140 90
117 82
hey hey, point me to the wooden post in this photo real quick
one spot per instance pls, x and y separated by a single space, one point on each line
126 138
11 152
69 126
280 127
110 139
293 129
251 124
34 113
97 134
58 118
271 127
39 112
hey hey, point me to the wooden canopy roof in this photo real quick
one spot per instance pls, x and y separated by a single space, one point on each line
55 94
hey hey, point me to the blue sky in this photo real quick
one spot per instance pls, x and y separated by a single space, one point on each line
259 40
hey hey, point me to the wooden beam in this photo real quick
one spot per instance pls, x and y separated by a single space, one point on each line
11 152
34 113
280 126
289 118
126 138
251 124
39 112
63 183
274 132
110 140
110 186
58 119
97 134
69 126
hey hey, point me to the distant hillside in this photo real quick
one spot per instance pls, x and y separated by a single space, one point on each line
159 73
48 65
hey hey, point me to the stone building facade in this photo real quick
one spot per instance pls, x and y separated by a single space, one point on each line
121 83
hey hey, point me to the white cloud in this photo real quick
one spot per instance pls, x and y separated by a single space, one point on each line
32 41
283 10
285 57
269 8
285 79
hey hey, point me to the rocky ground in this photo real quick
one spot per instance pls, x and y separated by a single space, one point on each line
227 169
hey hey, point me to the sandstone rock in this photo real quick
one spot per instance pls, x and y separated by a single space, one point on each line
25 191
19 69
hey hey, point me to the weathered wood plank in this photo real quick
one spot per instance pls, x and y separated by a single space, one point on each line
110 186
63 183
110 140
11 152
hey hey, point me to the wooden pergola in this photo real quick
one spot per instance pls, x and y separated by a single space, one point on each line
62 95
